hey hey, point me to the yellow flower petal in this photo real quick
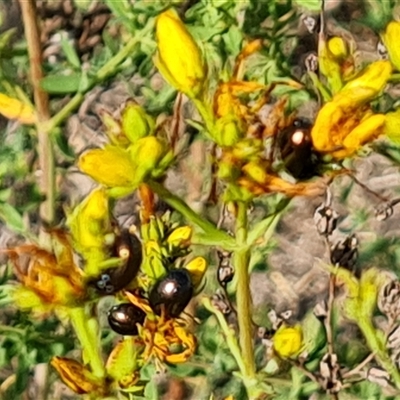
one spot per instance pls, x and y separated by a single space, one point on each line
365 132
16 109
322 132
372 79
179 58
180 236
197 268
90 221
77 377
392 126
391 39
111 166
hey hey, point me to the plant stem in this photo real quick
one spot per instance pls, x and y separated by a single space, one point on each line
89 339
45 149
378 349
64 113
243 295
179 205
207 116
231 339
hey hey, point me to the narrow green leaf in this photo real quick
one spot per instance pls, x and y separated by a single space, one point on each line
70 52
11 217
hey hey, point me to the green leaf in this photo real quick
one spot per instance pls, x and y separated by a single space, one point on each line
233 40
5 37
70 52
5 194
61 84
314 336
122 10
11 217
62 144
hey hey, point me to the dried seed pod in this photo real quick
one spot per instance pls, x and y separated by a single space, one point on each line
123 318
172 293
389 300
129 248
325 219
384 211
345 252
225 271
378 376
330 374
220 302
321 310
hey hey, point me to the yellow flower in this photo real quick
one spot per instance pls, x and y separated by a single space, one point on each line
15 109
391 38
346 122
167 339
179 58
51 277
111 166
288 341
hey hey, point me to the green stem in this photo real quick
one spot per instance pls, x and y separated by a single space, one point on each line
109 68
207 116
376 347
47 183
64 113
179 205
88 337
243 295
231 339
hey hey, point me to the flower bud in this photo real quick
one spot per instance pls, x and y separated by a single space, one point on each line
338 48
113 129
136 123
179 58
227 132
180 236
287 341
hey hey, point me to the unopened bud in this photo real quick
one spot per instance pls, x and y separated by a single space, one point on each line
179 58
